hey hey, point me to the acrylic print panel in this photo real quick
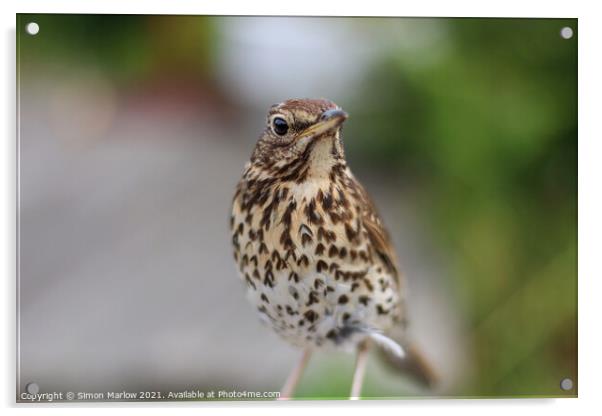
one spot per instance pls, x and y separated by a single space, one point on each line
147 273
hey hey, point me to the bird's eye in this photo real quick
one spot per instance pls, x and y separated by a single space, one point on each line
280 126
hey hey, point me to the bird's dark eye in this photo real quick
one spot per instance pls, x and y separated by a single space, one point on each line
280 126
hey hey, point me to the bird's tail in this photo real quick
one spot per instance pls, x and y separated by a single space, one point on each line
406 358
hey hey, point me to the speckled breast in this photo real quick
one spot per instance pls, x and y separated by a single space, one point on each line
308 265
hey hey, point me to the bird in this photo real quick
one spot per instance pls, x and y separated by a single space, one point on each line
310 247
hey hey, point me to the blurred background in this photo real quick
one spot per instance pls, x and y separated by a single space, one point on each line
133 133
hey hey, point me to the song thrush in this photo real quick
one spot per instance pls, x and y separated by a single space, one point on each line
310 246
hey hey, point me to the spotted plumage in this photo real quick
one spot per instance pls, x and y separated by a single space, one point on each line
317 262
322 269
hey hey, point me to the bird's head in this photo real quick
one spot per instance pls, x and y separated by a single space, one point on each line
302 139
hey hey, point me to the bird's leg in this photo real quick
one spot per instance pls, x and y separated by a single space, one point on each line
294 376
360 370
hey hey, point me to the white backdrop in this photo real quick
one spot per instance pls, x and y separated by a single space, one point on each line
590 204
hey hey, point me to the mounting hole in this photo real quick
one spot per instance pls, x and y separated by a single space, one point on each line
566 384
32 28
566 32
32 388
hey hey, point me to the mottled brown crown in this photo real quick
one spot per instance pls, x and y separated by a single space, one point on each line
312 108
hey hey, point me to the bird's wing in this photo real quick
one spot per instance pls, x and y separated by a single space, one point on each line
378 235
401 354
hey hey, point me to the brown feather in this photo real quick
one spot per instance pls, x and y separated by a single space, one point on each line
378 235
414 364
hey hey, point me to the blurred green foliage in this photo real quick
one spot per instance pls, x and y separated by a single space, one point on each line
486 132
129 48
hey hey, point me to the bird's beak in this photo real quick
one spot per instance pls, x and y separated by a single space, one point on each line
329 120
